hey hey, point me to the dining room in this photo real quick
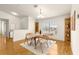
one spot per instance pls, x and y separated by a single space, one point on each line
41 33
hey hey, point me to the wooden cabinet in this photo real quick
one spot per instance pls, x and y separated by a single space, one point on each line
67 29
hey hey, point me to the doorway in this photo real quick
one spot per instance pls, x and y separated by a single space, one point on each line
4 32
37 27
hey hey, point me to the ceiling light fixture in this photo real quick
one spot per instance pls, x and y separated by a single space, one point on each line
40 12
35 6
14 13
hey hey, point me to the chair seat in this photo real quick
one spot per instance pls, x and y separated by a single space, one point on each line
43 40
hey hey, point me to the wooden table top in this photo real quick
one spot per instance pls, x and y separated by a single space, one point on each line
48 37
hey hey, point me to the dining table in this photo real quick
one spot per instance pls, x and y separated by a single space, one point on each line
42 36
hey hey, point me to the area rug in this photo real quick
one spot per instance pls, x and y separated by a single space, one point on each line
38 50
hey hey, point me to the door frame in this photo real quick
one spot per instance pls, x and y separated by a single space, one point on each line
7 26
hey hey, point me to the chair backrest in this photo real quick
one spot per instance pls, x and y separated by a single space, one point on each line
37 33
28 36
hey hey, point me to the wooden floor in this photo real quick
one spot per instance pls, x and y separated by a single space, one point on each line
8 47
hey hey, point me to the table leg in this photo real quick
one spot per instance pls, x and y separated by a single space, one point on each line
35 42
31 41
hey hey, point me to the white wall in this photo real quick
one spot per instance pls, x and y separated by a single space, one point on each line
12 19
75 42
75 34
20 34
59 22
31 25
14 24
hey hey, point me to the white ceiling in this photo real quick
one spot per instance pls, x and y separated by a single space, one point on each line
48 10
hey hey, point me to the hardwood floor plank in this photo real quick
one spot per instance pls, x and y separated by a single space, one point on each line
9 47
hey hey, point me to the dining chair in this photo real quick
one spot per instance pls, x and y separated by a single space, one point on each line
42 42
28 38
